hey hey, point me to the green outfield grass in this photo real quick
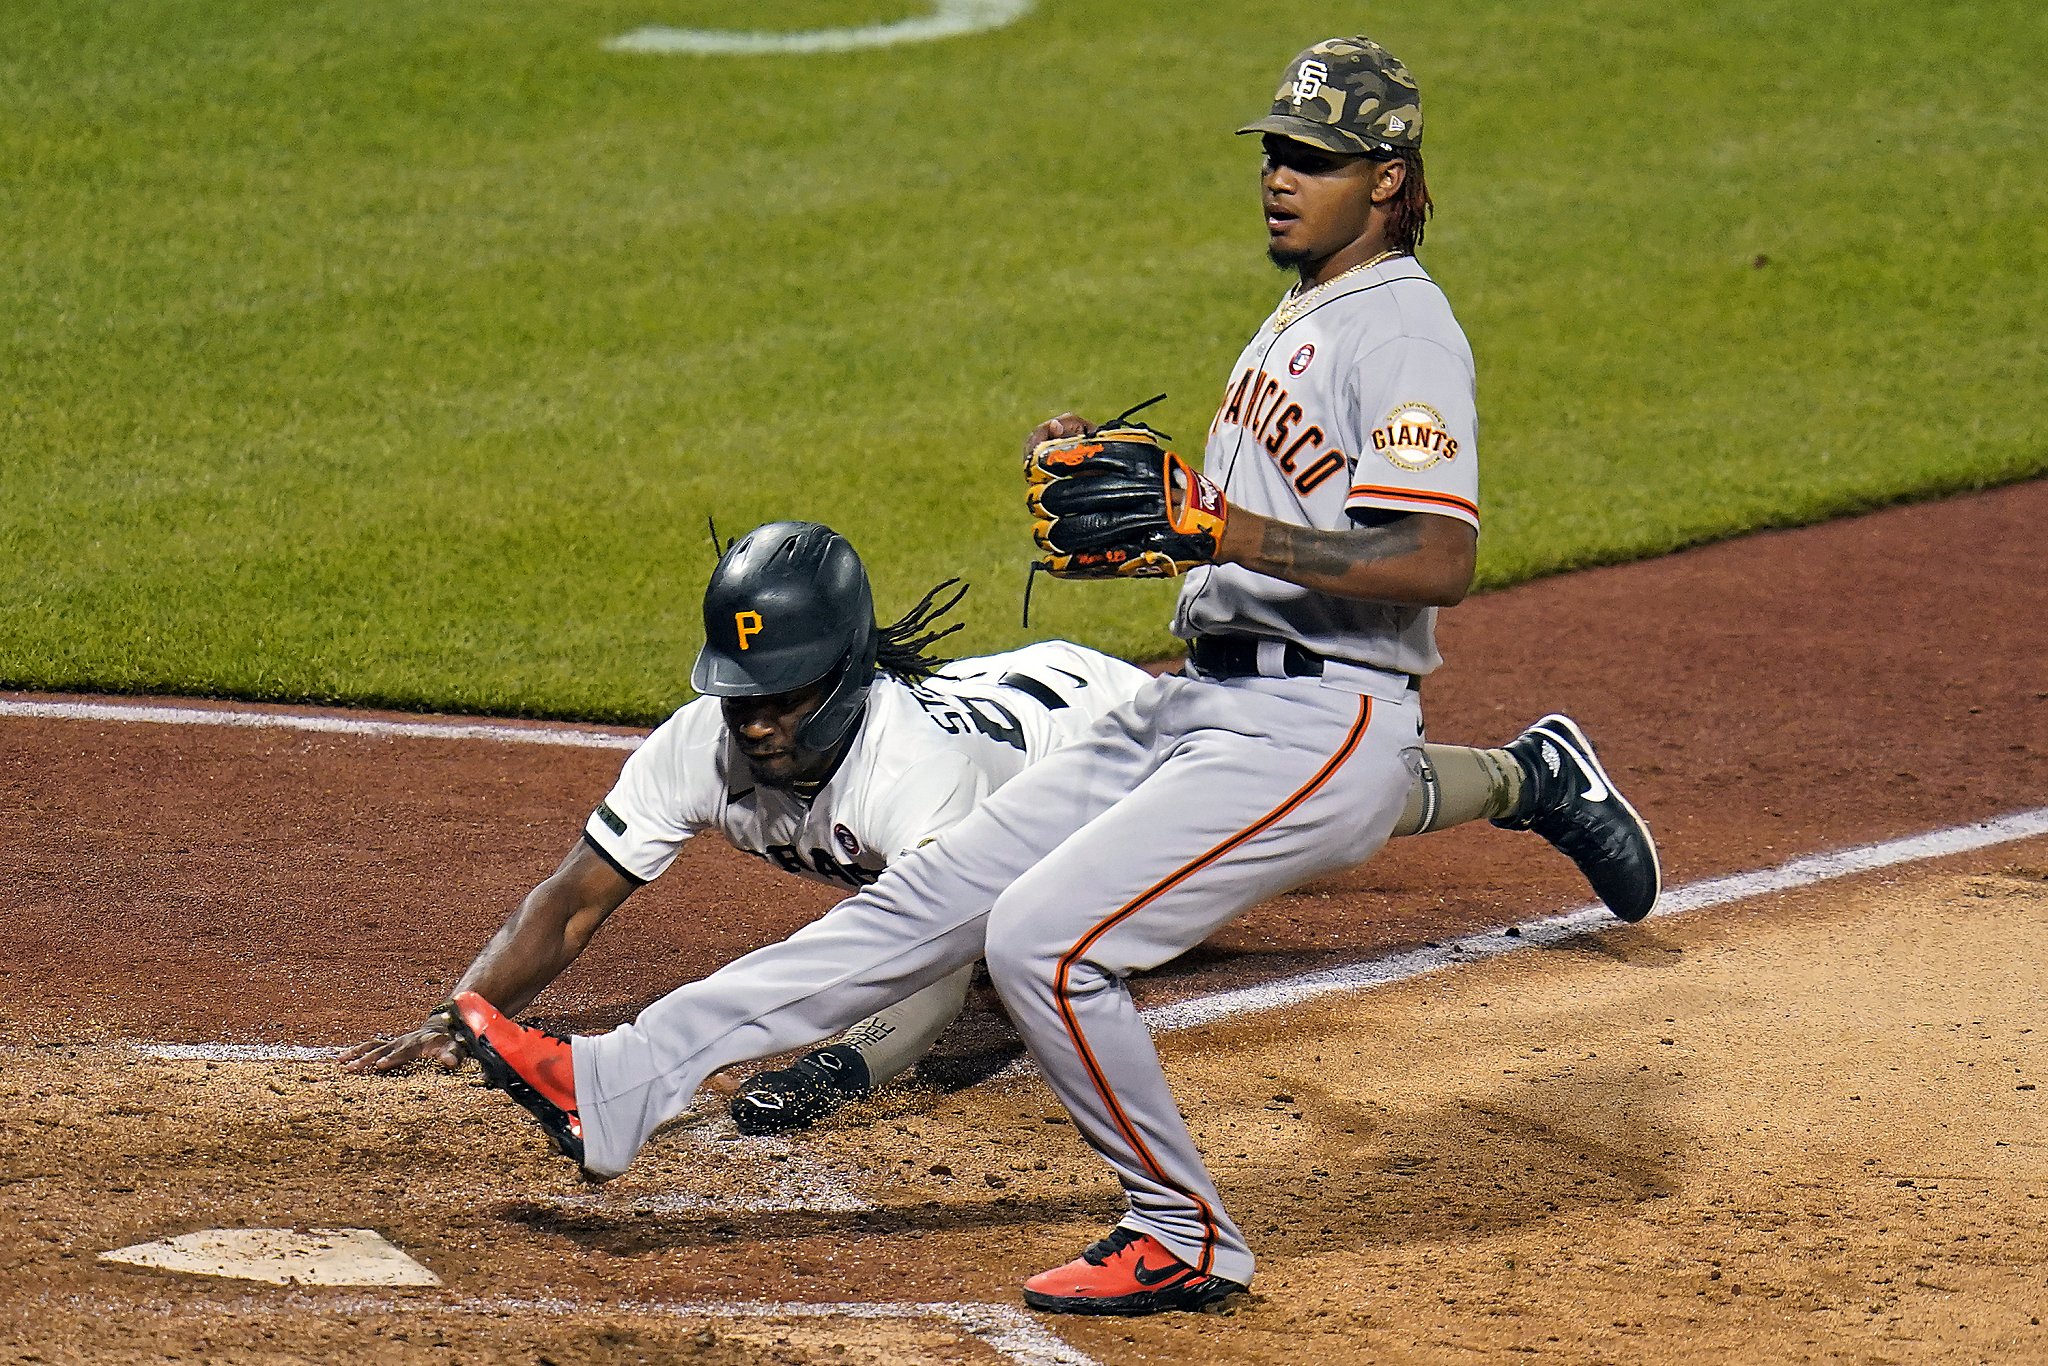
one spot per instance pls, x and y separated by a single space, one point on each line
398 353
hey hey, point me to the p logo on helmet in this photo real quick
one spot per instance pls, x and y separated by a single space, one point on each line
809 579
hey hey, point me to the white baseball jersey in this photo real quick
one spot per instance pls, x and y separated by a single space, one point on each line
924 756
1359 399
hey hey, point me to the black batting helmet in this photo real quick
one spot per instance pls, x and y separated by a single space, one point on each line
788 606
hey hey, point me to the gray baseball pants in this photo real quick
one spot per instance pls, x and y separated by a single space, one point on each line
1181 810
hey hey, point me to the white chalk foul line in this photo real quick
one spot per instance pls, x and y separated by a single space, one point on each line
1286 991
1006 1330
948 19
326 725
1800 872
235 1052
818 1188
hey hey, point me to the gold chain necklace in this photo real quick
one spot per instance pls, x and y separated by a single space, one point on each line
1296 303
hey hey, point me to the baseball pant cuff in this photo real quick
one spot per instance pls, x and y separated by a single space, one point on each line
1232 1264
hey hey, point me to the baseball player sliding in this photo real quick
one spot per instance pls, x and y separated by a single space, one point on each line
1337 511
827 746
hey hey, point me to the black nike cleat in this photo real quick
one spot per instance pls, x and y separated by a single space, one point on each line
798 1096
1126 1273
1568 799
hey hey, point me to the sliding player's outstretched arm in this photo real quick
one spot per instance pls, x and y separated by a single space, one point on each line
551 927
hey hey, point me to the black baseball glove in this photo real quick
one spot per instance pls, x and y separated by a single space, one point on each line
1117 504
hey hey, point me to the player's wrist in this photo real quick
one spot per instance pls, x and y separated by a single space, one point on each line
1239 541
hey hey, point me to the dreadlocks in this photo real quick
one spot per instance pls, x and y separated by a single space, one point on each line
902 653
1410 207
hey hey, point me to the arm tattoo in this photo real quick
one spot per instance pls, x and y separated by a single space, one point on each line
1296 553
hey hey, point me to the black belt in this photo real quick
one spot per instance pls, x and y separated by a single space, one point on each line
1238 657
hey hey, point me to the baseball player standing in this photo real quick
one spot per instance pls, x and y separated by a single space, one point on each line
1339 513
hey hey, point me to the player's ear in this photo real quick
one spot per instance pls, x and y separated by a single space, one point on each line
1388 178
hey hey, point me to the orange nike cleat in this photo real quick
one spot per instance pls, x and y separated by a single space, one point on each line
530 1065
1126 1273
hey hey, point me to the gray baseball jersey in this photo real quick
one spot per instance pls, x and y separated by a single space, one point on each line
1353 399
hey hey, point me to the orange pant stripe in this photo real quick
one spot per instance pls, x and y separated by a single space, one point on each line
1150 894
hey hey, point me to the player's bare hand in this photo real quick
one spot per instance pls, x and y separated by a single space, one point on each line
433 1042
1057 429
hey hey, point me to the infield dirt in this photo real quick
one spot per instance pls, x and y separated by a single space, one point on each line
1836 1154
1803 1129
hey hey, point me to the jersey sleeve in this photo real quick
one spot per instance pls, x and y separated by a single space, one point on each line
666 792
1417 444
925 800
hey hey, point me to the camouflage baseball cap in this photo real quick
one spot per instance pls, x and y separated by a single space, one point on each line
1346 95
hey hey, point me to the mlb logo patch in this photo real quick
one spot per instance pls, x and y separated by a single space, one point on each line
845 840
1298 362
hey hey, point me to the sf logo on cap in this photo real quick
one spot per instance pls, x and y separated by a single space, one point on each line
1308 81
747 624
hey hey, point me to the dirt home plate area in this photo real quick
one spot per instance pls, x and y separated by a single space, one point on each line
1790 1119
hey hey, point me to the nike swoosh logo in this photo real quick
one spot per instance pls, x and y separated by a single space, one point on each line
1076 677
1596 791
1147 1277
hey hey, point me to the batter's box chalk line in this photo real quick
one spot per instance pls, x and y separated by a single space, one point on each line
1009 1332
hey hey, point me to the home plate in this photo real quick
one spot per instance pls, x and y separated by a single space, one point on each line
312 1256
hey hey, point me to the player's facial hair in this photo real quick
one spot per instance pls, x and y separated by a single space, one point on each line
1284 259
809 772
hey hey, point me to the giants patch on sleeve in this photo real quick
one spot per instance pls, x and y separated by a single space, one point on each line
1413 437
612 820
